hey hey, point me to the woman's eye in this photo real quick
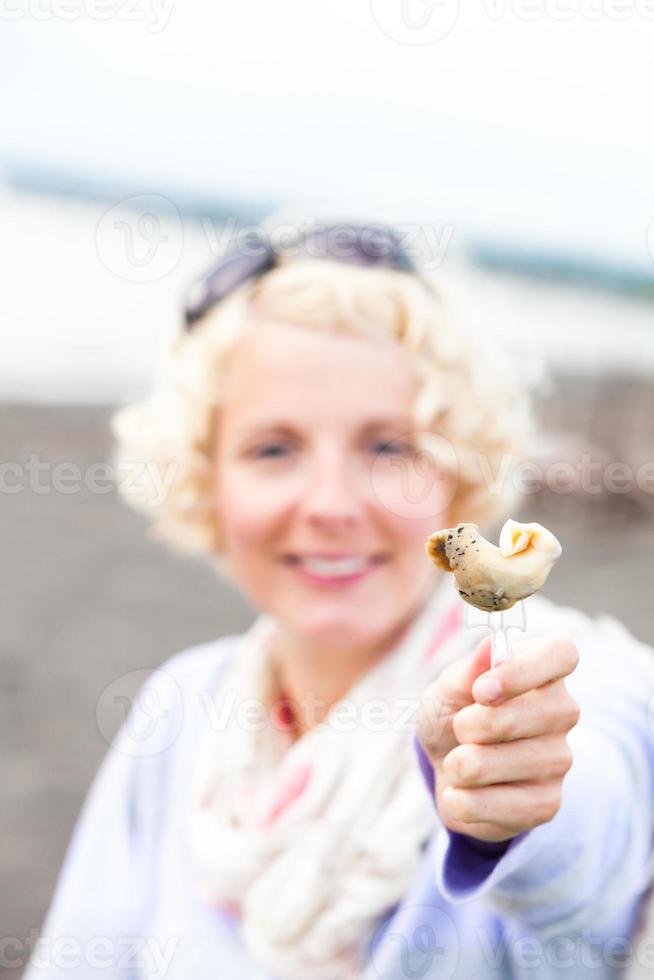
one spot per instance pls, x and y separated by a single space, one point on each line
271 451
397 447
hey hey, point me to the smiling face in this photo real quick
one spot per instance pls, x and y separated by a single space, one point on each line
313 463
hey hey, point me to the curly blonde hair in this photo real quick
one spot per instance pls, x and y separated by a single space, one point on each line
467 393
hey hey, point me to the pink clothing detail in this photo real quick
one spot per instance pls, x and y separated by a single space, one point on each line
452 621
290 790
228 907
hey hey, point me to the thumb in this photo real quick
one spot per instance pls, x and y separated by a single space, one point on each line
454 685
440 701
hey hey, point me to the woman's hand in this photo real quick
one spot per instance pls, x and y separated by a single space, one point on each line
500 761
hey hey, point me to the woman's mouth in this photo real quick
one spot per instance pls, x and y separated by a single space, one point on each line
338 569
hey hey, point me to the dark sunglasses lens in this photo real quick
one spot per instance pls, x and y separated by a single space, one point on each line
368 245
229 273
364 245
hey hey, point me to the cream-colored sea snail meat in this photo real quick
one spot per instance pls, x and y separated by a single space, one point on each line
492 578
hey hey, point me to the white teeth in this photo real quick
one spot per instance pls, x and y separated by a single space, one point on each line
336 567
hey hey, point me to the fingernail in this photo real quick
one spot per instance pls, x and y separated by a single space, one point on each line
488 688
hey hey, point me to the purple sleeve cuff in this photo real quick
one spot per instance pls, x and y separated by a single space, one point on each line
426 767
469 858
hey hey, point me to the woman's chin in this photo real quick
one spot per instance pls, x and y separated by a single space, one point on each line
337 628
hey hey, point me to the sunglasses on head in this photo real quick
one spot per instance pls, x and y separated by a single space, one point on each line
362 245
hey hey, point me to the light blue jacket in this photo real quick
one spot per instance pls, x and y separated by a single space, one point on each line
564 901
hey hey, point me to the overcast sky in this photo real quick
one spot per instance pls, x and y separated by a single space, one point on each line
509 121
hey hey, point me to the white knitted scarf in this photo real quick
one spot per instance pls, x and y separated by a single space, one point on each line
311 842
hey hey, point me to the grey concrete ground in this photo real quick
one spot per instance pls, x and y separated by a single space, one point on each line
85 597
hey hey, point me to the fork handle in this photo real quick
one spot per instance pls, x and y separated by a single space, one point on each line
500 649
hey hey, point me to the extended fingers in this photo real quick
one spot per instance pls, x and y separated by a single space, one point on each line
543 758
535 662
547 710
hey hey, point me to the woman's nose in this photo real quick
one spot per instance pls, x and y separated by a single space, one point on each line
333 494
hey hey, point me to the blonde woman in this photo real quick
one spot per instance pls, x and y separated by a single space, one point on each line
349 790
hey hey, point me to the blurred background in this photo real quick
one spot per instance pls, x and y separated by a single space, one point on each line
512 142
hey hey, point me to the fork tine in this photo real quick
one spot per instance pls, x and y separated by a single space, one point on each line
499 623
474 617
515 617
